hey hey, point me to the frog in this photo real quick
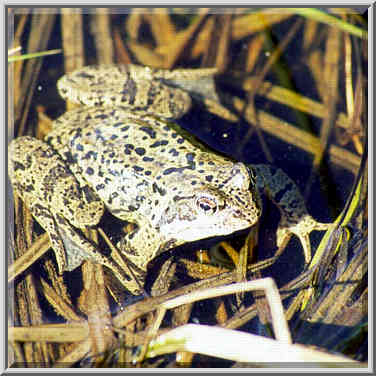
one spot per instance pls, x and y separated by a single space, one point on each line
121 152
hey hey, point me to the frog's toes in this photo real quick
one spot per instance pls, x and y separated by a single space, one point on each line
301 229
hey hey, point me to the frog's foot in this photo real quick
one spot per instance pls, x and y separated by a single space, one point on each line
77 249
301 229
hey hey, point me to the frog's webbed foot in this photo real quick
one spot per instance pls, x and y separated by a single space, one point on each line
78 249
71 248
294 215
301 229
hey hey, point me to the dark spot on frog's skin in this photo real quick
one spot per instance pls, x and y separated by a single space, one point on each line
114 137
79 147
129 91
174 152
128 148
29 188
166 128
148 173
91 154
174 135
101 116
89 171
117 125
240 200
107 180
211 163
124 129
190 157
85 75
100 186
140 151
209 178
18 166
158 189
156 202
138 169
201 171
132 208
193 182
180 140
159 143
150 131
169 171
112 154
148 159
47 153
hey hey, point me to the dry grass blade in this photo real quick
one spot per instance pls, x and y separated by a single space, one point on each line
300 138
73 39
235 345
49 333
38 249
179 46
93 301
217 53
145 56
101 29
85 318
41 28
331 77
61 306
281 330
162 28
251 23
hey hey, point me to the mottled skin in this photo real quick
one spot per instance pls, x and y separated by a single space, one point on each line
147 174
54 197
142 170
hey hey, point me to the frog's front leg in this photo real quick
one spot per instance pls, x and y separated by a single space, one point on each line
294 216
139 247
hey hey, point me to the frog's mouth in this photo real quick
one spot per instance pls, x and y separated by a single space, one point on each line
205 227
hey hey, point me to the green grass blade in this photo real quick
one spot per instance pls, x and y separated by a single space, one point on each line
32 56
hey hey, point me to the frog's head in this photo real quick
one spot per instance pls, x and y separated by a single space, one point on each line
212 210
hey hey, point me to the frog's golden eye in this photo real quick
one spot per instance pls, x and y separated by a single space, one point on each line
207 204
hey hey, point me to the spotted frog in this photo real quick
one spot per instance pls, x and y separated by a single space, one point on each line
115 153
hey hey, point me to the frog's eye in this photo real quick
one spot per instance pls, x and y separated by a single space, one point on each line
208 205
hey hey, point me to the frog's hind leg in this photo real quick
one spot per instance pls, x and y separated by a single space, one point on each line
295 219
71 248
46 219
78 249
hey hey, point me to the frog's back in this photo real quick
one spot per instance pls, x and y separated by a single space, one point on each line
132 163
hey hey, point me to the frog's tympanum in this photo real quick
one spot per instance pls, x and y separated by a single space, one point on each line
114 153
